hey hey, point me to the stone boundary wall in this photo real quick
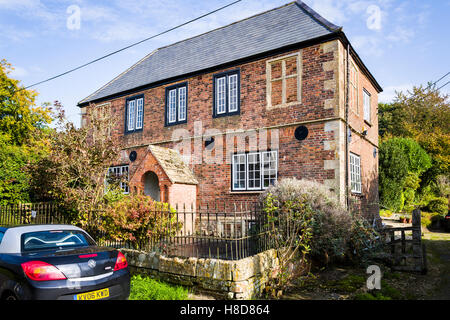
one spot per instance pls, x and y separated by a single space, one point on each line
238 279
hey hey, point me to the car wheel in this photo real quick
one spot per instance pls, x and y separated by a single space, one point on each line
9 296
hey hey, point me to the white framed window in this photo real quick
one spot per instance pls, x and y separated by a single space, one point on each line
269 168
220 95
139 113
366 100
239 176
176 104
254 170
119 172
355 173
233 92
134 113
226 93
172 110
181 103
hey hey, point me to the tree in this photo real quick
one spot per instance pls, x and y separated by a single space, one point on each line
402 161
23 132
74 171
20 119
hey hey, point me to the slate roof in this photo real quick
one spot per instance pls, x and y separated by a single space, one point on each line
292 23
173 165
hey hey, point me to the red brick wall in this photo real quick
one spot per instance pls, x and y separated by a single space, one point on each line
301 159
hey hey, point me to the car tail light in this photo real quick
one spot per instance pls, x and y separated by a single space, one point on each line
447 217
42 271
121 262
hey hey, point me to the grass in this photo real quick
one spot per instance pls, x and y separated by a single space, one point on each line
145 288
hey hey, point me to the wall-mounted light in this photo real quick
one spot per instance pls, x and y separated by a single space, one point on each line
375 151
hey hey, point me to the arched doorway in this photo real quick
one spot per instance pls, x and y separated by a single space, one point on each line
151 185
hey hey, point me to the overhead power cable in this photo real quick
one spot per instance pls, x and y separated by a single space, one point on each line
131 45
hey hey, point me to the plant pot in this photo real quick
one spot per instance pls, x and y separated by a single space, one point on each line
403 220
408 220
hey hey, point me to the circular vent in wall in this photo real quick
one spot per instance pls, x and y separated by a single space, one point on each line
133 156
301 133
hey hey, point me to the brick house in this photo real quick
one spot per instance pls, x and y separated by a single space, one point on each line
222 115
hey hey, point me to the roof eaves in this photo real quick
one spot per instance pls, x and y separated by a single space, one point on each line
317 17
86 100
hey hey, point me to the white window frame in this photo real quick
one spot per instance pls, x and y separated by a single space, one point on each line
233 93
221 95
367 105
355 173
135 114
271 171
236 173
131 115
182 103
139 113
172 106
121 170
257 168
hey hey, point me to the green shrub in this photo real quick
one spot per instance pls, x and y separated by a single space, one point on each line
336 233
438 205
145 288
137 218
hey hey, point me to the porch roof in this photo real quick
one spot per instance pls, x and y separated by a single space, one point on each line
173 165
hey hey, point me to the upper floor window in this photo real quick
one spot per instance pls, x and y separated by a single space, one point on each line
134 114
226 99
353 94
366 98
355 173
254 170
176 104
283 80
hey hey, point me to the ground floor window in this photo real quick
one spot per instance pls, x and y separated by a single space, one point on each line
254 170
355 173
120 172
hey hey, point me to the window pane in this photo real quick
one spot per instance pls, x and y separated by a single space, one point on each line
239 172
181 103
355 173
139 113
131 114
221 95
254 171
269 168
233 92
172 108
366 106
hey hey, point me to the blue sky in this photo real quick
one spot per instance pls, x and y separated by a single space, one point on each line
402 42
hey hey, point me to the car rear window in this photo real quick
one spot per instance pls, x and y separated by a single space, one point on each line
54 240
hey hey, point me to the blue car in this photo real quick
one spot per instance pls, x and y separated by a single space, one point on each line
59 262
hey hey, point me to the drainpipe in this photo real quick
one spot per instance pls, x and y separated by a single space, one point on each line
347 91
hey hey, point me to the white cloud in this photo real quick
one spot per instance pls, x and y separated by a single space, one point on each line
401 34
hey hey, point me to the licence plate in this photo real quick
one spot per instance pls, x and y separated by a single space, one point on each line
93 295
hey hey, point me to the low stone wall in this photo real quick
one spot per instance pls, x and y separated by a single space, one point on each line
239 279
